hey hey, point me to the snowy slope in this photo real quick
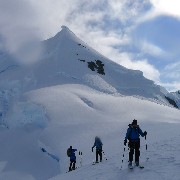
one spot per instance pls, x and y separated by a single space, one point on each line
75 114
162 165
85 113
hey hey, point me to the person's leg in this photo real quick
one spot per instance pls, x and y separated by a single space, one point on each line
137 152
70 166
74 165
100 154
97 155
131 152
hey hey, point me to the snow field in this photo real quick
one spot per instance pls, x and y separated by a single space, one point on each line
93 113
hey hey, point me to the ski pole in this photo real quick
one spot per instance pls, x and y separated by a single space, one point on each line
81 159
104 155
146 142
93 157
123 157
146 148
80 154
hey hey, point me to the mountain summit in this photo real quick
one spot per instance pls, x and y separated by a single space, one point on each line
75 62
66 59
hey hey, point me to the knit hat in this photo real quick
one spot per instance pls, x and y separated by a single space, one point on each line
134 122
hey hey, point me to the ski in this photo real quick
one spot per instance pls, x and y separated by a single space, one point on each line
94 163
130 167
140 166
72 170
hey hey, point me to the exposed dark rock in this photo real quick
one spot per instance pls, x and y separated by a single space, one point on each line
171 101
99 66
82 45
82 60
92 66
95 66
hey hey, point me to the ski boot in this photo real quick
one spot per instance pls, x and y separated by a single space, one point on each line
137 163
130 165
70 169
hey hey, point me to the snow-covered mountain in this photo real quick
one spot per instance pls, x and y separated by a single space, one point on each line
67 59
69 96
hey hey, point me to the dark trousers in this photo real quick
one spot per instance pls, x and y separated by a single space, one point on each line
98 153
134 145
72 165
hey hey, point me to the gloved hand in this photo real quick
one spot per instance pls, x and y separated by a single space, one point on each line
145 133
125 141
92 149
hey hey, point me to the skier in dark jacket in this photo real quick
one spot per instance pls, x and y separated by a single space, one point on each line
133 133
72 159
98 144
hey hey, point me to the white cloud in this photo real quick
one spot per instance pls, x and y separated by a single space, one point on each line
127 10
51 14
149 71
172 87
171 76
19 33
167 6
172 71
125 59
25 23
161 7
151 49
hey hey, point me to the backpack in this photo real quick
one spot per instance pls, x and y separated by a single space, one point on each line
69 152
131 131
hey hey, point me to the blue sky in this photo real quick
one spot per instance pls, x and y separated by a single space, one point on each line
138 34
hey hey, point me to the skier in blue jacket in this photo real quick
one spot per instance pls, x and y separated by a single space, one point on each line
133 133
72 159
98 144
